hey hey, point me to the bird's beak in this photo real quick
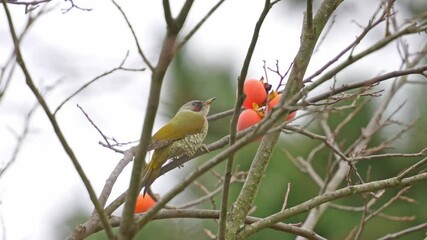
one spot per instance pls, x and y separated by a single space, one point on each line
209 101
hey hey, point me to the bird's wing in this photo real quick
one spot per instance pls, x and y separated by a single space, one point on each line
183 124
159 144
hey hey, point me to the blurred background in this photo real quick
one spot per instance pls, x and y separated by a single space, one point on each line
41 195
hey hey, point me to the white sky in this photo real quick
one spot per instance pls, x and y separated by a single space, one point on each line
42 185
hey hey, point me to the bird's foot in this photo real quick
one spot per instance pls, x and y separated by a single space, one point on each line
180 165
205 147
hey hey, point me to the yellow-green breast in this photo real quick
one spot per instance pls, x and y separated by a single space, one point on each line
189 144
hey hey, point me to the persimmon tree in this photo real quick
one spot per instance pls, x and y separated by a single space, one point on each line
300 92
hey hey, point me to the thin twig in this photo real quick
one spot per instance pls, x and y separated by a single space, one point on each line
29 6
390 155
55 125
20 140
73 5
306 167
412 168
324 139
354 58
285 201
388 203
197 27
207 193
84 86
141 53
93 124
330 196
404 232
220 115
370 26
369 82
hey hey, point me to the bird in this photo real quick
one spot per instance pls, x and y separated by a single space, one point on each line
182 135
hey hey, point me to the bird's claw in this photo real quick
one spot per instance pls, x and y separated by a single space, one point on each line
204 147
180 165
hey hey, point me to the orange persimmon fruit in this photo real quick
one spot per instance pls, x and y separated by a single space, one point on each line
143 203
255 93
248 118
273 102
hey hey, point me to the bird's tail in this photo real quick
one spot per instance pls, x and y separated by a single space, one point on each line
152 170
150 174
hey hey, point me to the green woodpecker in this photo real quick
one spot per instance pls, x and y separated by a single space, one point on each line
182 135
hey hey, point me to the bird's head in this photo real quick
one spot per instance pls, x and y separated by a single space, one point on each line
198 106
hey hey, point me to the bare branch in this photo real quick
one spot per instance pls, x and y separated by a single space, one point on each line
141 53
197 27
84 86
168 13
354 58
305 165
20 140
325 140
412 168
93 124
10 65
15 2
55 125
223 221
390 155
404 232
365 31
330 196
388 203
285 201
127 227
369 82
73 5
220 115
199 214
111 180
29 5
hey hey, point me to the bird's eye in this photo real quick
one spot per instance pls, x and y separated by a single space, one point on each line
197 106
